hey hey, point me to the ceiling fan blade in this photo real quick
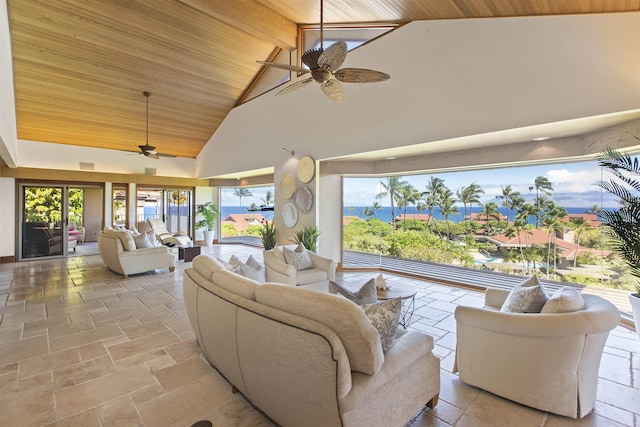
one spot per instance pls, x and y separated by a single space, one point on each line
284 66
333 89
164 155
334 56
146 147
295 86
151 154
360 75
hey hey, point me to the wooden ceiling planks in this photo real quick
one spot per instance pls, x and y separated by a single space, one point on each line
80 66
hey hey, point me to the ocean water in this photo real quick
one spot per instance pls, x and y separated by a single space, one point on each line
384 214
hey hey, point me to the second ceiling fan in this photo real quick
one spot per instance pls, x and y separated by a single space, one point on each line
324 66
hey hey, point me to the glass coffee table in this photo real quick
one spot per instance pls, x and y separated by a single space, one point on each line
408 296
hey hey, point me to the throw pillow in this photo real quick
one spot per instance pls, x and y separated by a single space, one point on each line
257 274
528 297
365 295
142 241
564 300
299 259
234 264
252 262
384 316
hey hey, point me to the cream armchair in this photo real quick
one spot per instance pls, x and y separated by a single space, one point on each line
278 271
124 258
546 361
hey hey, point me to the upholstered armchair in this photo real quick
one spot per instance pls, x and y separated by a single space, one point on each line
316 277
546 361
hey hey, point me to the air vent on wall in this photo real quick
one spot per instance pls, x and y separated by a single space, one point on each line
149 171
84 166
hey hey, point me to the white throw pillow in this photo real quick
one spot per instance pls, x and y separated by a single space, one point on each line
298 258
252 262
365 295
385 316
528 297
142 241
564 300
257 274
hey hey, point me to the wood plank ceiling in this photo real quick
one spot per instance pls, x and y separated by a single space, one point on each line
81 66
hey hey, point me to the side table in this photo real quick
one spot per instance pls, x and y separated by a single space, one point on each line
188 253
408 296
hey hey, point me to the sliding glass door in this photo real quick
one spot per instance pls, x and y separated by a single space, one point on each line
43 232
55 219
173 206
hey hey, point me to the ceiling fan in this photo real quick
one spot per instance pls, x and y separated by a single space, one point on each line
146 149
324 68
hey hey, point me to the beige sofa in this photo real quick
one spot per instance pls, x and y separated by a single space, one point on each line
307 358
278 271
546 361
124 258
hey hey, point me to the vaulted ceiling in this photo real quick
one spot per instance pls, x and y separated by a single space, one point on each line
81 66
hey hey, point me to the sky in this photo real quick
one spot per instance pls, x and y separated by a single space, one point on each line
573 185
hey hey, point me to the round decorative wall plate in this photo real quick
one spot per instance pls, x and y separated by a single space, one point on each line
306 169
287 186
289 215
303 199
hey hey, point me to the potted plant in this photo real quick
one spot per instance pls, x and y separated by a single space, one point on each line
308 236
209 213
623 224
268 235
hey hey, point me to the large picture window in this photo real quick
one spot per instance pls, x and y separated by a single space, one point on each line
534 219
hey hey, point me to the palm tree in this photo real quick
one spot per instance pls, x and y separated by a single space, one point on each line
431 197
391 188
447 206
595 209
367 212
623 224
408 195
240 193
540 184
268 198
553 222
579 225
510 199
468 196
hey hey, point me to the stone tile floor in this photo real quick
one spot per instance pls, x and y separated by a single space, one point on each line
81 346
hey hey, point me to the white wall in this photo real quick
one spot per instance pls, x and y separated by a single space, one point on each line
33 154
7 217
204 195
449 78
8 132
330 216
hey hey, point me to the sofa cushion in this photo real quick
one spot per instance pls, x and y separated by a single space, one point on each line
298 258
359 337
206 266
365 295
312 275
528 297
235 283
128 244
385 316
564 300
